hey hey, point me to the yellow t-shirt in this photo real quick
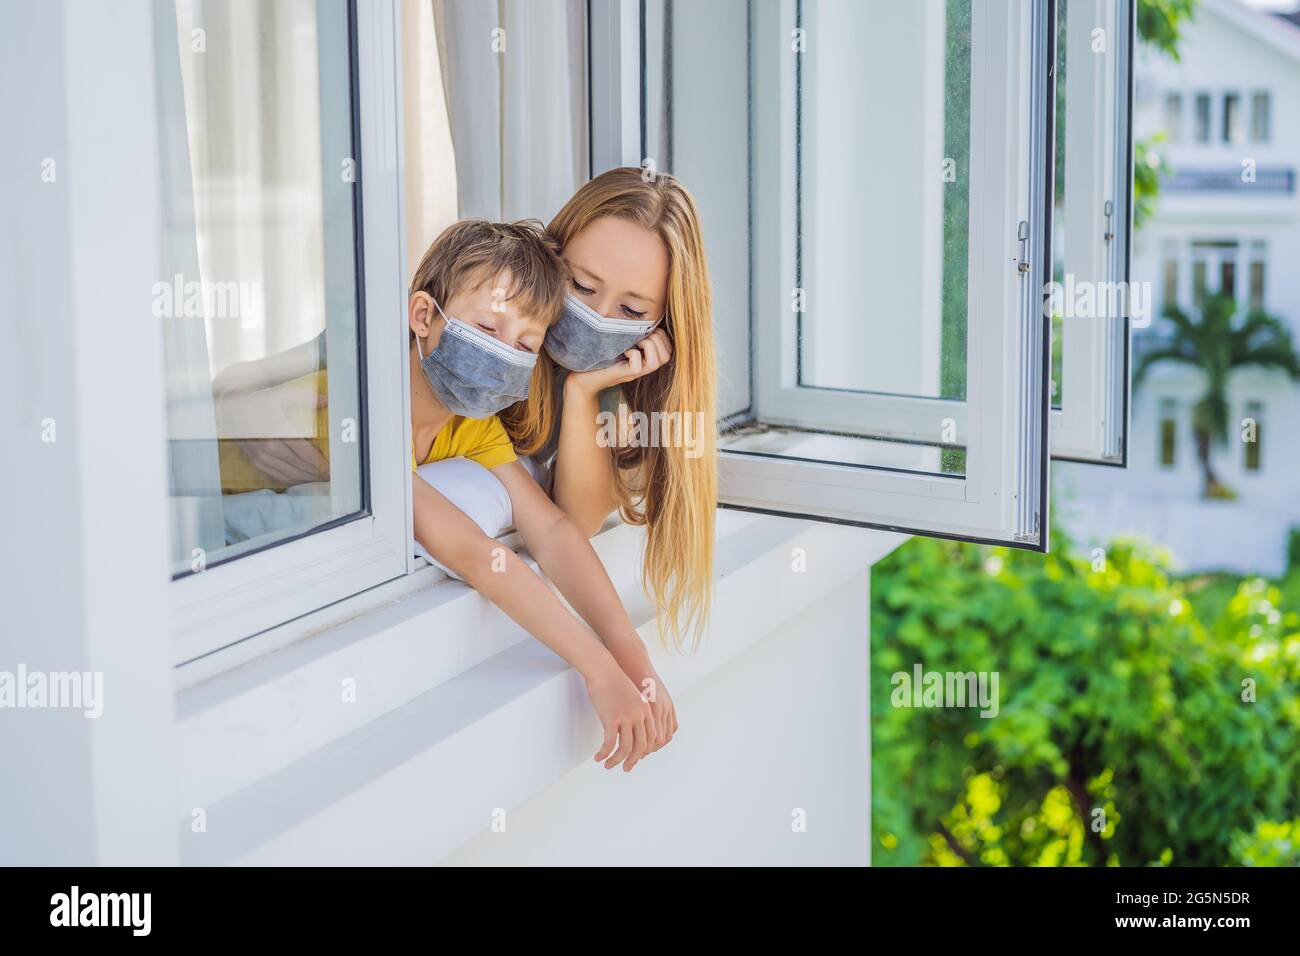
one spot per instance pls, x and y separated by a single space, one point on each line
483 440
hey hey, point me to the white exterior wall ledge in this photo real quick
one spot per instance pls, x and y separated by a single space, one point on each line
458 714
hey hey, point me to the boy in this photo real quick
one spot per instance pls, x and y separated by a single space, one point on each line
480 304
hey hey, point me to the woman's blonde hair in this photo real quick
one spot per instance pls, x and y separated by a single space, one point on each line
672 494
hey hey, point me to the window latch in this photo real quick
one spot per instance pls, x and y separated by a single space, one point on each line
1022 235
1109 209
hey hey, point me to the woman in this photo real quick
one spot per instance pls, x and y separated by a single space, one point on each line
634 251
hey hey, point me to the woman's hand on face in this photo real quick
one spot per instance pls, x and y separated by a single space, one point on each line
649 355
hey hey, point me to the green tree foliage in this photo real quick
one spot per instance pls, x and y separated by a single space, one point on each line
1115 696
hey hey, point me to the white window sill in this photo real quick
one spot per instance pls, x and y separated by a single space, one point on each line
457 710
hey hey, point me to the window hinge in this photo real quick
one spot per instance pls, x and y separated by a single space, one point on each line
1029 535
1022 236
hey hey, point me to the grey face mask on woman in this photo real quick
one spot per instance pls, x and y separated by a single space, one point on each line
583 339
474 374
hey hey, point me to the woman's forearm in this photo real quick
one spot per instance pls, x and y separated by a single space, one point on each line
584 471
566 557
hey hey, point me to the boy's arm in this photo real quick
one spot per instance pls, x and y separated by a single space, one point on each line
457 542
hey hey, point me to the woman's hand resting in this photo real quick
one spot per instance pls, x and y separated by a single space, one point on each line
649 355
625 715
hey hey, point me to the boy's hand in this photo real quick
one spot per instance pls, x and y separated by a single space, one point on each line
625 715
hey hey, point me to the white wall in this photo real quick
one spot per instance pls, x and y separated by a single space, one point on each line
785 728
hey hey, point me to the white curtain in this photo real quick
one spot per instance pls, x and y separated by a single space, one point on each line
509 136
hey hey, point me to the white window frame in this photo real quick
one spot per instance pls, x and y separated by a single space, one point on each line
1092 421
244 597
1003 496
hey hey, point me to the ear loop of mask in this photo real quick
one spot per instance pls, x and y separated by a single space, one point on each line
420 348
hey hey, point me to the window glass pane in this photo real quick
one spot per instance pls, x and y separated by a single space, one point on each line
1174 116
259 273
1170 283
1198 283
1228 278
884 198
1057 385
1232 126
1202 117
1256 296
1168 433
876 361
1260 120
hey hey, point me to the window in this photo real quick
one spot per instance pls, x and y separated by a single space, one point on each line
1255 292
255 222
1174 116
1093 304
1168 444
1202 118
1233 128
1253 436
883 345
1260 117
1170 281
273 136
1214 269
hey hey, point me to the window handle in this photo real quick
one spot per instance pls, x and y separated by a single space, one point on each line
1022 235
1109 209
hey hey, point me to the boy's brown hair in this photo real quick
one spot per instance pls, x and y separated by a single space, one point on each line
474 251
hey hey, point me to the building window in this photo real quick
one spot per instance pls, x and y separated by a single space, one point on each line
1257 275
1260 117
1170 282
1228 278
1202 118
1233 128
1174 116
1214 261
1168 433
1252 440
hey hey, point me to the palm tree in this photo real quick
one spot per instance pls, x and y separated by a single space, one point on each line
1218 343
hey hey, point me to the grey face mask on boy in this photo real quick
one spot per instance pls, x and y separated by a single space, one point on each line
582 339
474 374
